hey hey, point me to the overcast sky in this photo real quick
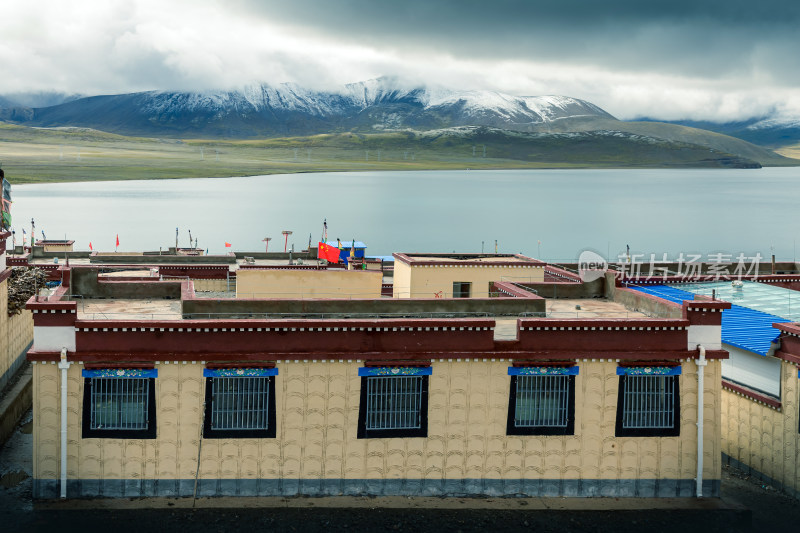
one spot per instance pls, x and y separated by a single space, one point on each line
702 60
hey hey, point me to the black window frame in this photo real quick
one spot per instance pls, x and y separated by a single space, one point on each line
673 431
88 433
461 285
569 429
364 433
269 433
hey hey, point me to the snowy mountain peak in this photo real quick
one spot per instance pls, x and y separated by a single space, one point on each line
259 109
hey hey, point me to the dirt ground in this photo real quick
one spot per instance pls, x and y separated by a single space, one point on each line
746 505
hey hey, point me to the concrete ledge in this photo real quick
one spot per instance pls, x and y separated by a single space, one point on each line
15 404
461 488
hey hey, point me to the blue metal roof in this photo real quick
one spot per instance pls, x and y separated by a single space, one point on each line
742 327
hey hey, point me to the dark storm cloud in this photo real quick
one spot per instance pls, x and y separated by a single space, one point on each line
687 38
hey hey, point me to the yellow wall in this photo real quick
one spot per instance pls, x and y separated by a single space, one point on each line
317 411
308 284
201 285
16 333
58 247
437 281
763 438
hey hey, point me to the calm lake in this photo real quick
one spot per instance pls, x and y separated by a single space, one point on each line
568 211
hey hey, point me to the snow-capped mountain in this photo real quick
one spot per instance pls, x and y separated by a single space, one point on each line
288 109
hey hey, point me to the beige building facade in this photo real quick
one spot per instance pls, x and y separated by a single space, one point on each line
16 336
460 275
761 428
307 283
317 451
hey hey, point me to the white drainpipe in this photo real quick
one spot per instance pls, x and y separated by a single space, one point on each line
701 364
64 366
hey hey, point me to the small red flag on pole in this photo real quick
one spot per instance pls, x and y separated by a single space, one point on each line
90 245
227 245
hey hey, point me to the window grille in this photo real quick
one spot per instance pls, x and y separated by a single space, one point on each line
394 402
542 401
119 404
649 402
240 403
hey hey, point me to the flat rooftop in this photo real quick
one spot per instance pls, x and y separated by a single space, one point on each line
589 308
504 259
129 309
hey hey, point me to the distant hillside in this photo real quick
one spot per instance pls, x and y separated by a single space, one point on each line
770 132
287 110
40 155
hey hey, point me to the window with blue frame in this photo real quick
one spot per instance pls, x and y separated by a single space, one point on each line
119 403
240 403
394 402
542 401
648 404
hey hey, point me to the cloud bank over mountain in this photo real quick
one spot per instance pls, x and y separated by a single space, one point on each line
712 60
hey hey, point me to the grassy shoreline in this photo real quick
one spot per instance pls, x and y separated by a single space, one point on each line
33 155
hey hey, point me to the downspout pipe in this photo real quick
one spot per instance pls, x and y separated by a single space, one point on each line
64 365
701 365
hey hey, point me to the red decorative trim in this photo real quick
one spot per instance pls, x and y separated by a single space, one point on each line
45 356
790 327
382 357
514 291
603 323
638 364
240 364
791 358
5 274
295 323
549 364
706 304
403 362
750 393
121 364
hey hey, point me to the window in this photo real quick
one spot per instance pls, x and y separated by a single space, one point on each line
461 289
649 402
119 403
542 401
394 402
240 403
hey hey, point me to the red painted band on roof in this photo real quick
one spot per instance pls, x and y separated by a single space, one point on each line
791 358
121 364
510 356
240 364
292 323
750 393
603 322
401 362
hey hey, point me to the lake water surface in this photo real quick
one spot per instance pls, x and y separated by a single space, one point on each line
654 211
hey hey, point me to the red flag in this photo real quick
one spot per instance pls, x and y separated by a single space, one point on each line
227 245
328 252
117 239
90 245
